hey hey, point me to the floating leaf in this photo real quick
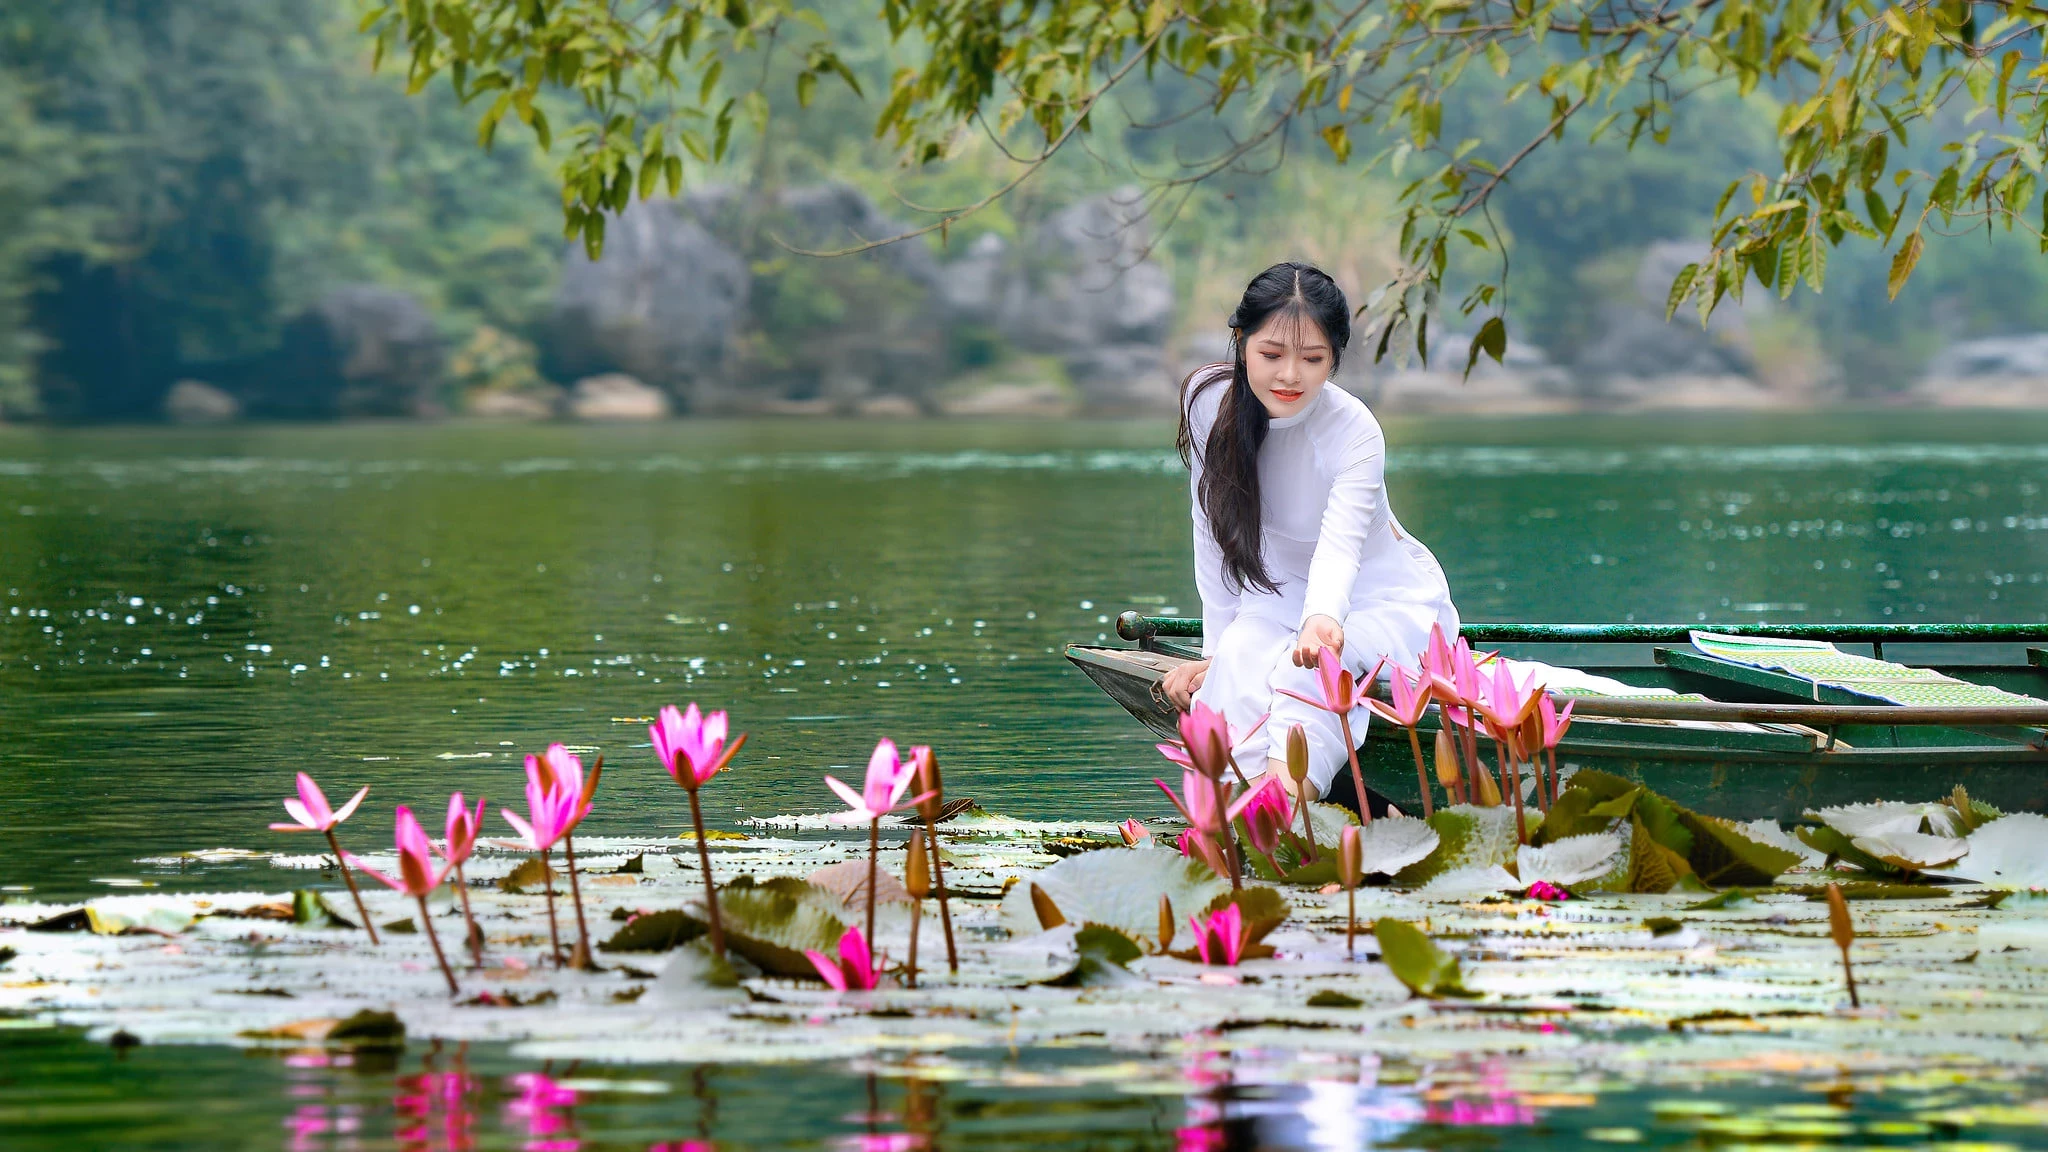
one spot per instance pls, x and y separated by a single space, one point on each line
1652 867
1416 961
1468 836
1103 952
1120 888
531 875
1883 818
1723 854
1391 843
773 923
1768 831
655 932
123 917
1913 851
848 880
1331 998
313 910
1732 898
2010 853
1866 890
1463 883
1663 925
1572 860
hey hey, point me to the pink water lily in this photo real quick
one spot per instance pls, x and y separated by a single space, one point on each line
854 970
557 799
1505 703
416 878
1266 813
692 745
1203 803
1342 695
416 875
460 834
1547 728
1411 701
313 815
1133 833
1207 741
1221 937
311 811
889 777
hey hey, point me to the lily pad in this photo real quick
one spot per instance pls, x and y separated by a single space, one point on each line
1913 851
1572 860
1391 843
2010 853
119 917
848 880
655 932
1464 883
1117 887
1467 837
1879 819
1768 831
1102 954
530 875
313 910
1722 853
1331 998
773 923
1652 867
1417 961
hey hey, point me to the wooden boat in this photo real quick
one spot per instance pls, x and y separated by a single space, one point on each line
1737 740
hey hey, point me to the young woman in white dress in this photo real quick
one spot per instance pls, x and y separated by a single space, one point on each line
1296 546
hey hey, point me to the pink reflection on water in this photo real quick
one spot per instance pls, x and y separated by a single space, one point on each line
436 1112
1497 1107
541 1106
882 1142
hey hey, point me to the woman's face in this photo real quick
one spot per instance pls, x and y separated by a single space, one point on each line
1288 361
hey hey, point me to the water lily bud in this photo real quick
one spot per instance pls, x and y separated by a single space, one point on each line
1446 758
927 762
1048 912
1350 857
1166 925
917 873
1297 755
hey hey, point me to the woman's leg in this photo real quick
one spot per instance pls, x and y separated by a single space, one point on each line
1393 630
1239 681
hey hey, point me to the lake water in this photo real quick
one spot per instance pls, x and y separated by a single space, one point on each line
189 617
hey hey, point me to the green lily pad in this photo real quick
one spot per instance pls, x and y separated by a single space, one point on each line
2007 853
1417 961
1836 846
530 875
1722 854
773 923
1467 837
1865 890
1331 998
368 1029
655 932
1663 925
313 910
1732 898
1652 867
111 919
1103 953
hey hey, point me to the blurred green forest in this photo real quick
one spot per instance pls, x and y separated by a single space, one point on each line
180 180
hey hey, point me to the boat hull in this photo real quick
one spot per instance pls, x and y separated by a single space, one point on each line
1740 775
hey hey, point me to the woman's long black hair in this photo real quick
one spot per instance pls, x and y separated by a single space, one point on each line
1229 491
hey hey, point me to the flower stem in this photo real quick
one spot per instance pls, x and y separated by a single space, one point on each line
1421 775
1553 775
939 887
1308 829
1357 777
476 935
349 879
916 913
581 957
427 923
874 847
547 880
1513 768
704 861
1229 845
1351 925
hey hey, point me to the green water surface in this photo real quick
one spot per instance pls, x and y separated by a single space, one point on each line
189 617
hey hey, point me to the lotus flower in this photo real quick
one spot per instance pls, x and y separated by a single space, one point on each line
1411 700
1554 722
311 811
1266 813
461 833
552 814
416 875
1198 845
556 801
1545 890
1506 704
888 778
461 830
1204 803
854 971
557 770
1221 937
313 815
416 878
691 745
1133 833
1342 695
1207 740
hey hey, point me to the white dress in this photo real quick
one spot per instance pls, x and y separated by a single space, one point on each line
1333 546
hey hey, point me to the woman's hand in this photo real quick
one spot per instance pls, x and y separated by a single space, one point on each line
1317 633
1183 682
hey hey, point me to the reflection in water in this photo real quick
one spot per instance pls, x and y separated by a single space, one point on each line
542 1107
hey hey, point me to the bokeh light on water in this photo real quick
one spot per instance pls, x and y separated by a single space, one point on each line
188 617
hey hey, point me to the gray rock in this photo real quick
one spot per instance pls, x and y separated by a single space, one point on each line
616 396
665 303
2007 356
1633 341
362 350
197 402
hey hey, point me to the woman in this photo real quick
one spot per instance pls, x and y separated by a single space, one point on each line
1296 547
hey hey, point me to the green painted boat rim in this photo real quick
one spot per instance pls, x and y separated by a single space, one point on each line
1136 627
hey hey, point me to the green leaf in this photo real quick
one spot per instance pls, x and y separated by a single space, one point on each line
1492 339
1103 953
774 922
1331 998
655 932
1880 216
1732 898
1722 855
530 876
806 85
1680 287
1416 961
